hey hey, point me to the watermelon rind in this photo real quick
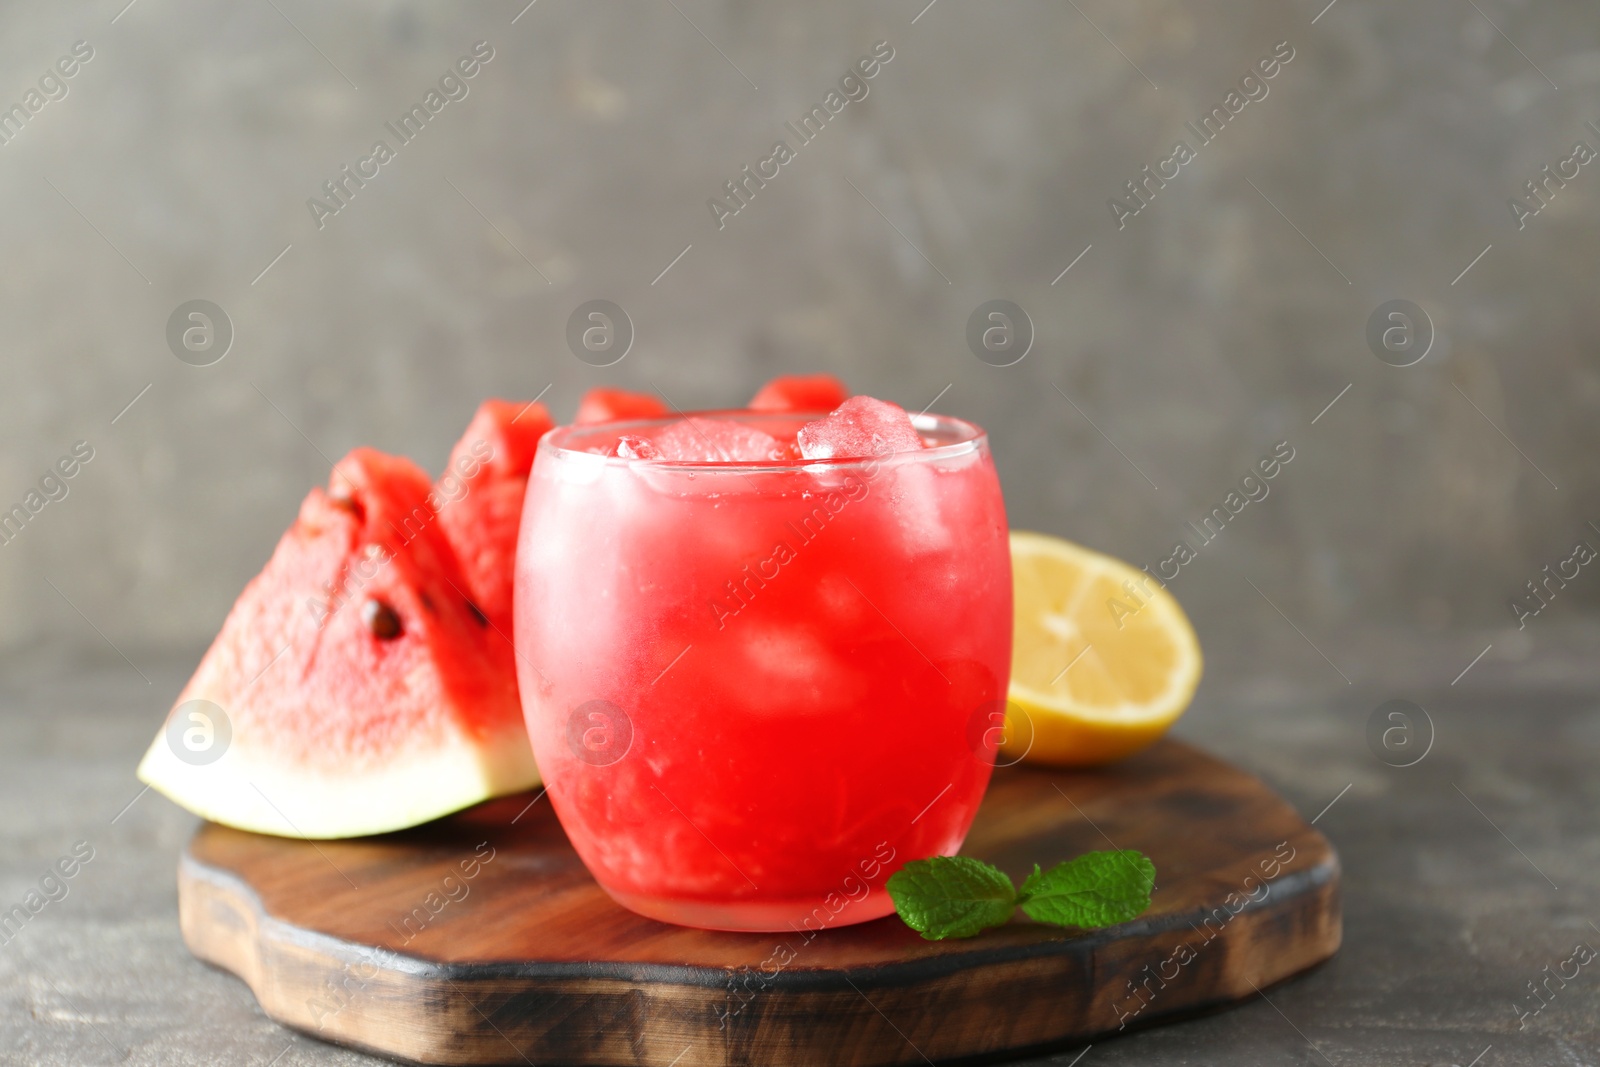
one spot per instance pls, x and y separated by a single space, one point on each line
267 797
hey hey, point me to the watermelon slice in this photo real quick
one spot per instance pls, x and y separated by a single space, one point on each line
800 392
361 690
479 499
602 404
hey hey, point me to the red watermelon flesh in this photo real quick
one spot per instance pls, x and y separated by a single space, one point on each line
362 689
800 392
479 499
602 404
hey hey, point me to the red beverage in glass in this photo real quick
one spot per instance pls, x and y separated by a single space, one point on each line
756 690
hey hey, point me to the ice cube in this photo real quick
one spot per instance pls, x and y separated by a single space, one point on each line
860 427
924 505
791 668
632 446
696 440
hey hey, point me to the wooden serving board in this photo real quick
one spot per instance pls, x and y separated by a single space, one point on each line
480 938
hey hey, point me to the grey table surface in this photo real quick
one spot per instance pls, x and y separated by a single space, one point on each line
1231 314
1466 875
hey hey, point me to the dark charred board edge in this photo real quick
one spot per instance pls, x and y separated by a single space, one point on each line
412 1010
794 979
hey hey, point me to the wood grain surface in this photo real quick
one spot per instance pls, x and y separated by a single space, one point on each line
480 938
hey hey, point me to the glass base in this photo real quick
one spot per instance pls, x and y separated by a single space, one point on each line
801 916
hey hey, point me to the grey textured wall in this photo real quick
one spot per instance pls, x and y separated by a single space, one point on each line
1221 319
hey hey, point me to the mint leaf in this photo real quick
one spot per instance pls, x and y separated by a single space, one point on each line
951 896
1096 889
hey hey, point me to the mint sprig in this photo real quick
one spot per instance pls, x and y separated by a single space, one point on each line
1096 889
958 896
951 896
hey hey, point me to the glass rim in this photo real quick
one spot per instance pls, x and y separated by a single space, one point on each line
969 437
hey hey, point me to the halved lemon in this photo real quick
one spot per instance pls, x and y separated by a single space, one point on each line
1103 659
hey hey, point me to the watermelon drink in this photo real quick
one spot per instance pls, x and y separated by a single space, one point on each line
758 682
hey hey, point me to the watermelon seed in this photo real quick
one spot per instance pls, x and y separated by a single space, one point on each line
340 498
427 603
477 613
381 620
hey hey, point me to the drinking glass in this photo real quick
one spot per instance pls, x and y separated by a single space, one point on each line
756 690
